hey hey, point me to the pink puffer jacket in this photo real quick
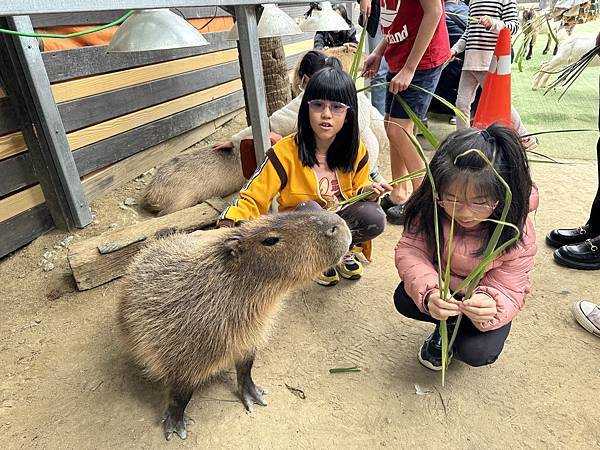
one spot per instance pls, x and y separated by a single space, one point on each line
506 280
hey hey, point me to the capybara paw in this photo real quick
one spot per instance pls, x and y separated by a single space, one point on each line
252 394
178 426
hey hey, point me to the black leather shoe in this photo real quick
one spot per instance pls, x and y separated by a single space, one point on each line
386 202
585 255
567 236
395 215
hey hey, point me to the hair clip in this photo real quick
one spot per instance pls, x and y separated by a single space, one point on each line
486 135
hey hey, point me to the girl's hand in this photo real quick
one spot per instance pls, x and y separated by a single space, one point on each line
440 309
402 80
225 146
365 8
378 189
487 22
452 55
371 65
479 308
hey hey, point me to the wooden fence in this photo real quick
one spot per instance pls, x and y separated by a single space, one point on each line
123 113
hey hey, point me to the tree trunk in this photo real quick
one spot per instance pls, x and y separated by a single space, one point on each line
277 85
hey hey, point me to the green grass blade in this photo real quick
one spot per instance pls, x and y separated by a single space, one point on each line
444 335
345 369
356 60
445 102
418 123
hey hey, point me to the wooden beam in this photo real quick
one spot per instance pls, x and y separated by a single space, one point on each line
12 144
83 87
8 118
20 202
17 173
88 111
108 151
24 228
91 268
86 136
70 90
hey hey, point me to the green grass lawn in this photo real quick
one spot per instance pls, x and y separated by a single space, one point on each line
539 112
577 109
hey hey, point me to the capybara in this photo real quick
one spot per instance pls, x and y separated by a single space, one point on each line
195 305
192 177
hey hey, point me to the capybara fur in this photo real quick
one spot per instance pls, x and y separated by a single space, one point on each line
192 177
195 305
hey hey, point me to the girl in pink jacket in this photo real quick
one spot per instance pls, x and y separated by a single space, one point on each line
469 185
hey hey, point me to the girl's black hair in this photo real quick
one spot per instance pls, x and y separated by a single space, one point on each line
333 85
343 12
314 60
504 149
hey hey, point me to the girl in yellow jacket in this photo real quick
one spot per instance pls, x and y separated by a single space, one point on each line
323 163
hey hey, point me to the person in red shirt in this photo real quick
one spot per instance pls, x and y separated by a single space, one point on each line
415 46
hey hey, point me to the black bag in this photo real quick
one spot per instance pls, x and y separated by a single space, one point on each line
373 21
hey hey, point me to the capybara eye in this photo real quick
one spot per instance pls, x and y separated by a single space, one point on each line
270 241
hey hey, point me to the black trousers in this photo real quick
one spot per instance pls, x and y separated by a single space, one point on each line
594 220
473 347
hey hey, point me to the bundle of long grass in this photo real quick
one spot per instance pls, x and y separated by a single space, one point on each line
569 74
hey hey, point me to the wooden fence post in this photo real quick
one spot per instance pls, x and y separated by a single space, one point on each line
28 85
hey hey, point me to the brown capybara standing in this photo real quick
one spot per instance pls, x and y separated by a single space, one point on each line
192 177
194 305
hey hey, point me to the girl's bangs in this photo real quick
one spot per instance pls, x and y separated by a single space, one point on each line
332 88
478 183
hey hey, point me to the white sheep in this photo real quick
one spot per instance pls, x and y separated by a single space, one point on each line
569 51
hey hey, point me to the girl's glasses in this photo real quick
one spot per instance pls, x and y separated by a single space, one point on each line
479 210
319 106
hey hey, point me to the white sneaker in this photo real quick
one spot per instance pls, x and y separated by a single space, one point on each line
587 315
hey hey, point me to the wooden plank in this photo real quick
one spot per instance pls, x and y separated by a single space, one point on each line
20 230
70 90
121 146
91 268
20 202
12 144
8 118
64 65
103 17
86 136
17 173
98 108
100 183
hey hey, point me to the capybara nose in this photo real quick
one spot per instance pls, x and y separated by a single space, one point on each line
332 231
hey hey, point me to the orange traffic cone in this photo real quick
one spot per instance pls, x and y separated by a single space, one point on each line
494 103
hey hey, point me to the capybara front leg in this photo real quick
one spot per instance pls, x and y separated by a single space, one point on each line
175 420
249 392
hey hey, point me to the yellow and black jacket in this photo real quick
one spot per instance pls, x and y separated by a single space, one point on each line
282 173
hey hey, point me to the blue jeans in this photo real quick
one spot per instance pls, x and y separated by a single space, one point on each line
378 94
417 100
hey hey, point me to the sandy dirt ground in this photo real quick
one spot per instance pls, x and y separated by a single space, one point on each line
66 381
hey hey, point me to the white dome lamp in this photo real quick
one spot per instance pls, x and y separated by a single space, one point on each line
154 29
273 22
323 18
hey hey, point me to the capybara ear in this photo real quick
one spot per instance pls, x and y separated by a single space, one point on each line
233 246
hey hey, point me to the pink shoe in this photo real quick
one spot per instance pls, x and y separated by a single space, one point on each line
588 316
